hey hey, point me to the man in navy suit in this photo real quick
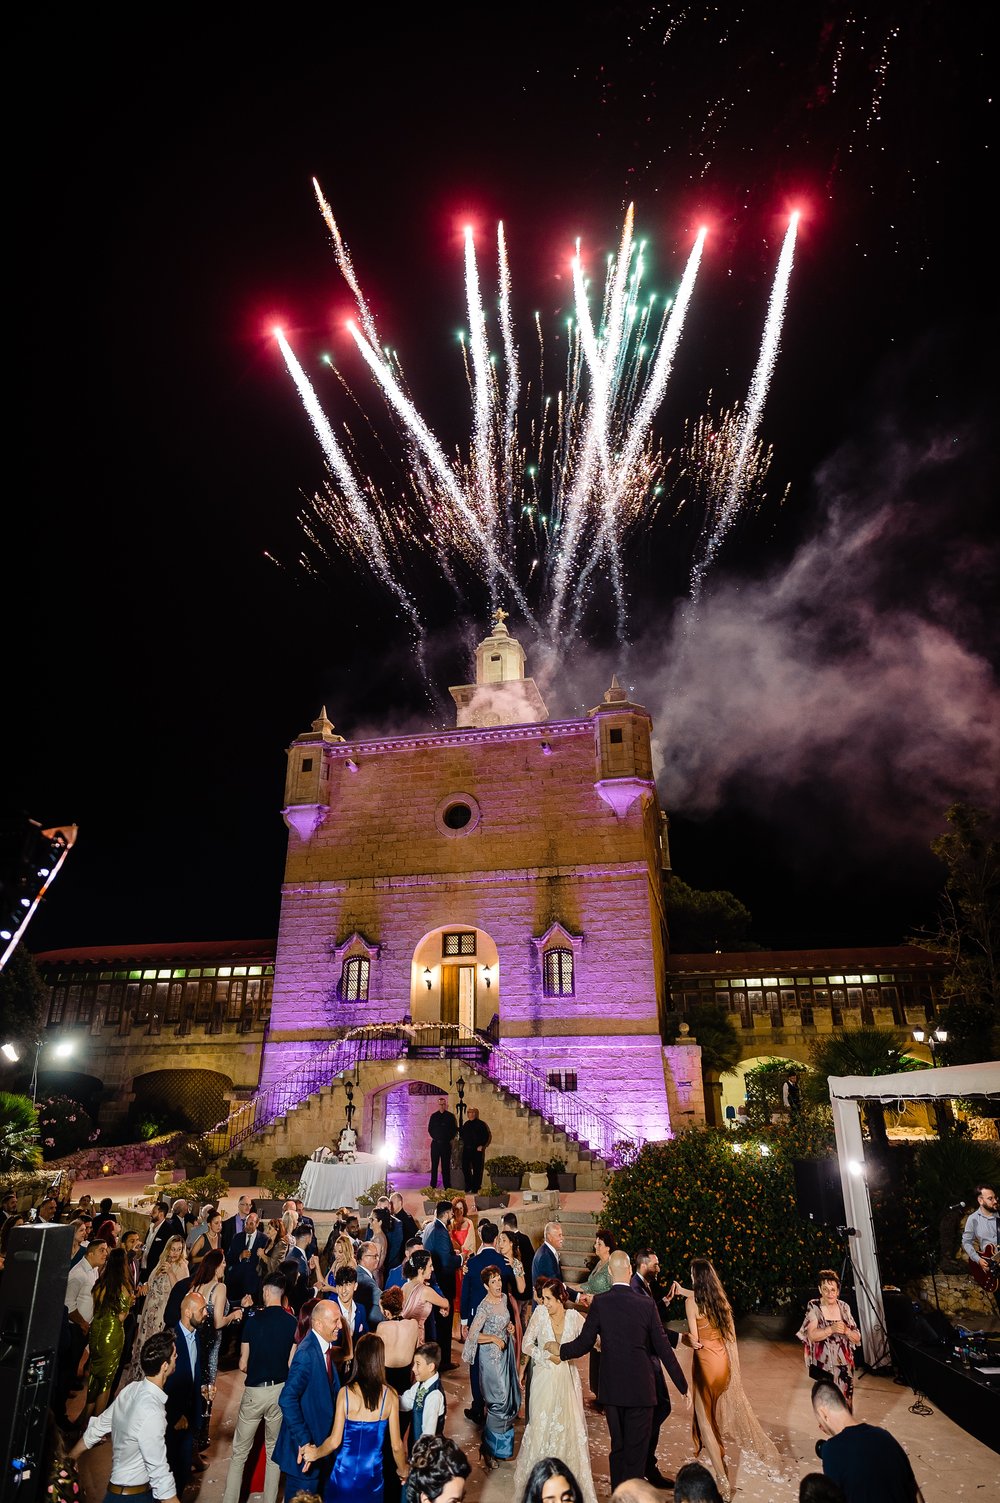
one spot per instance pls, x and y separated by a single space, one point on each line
307 1402
633 1344
545 1263
234 1226
244 1267
447 1262
185 1402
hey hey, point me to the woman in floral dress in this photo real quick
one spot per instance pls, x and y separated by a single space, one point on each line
829 1335
492 1335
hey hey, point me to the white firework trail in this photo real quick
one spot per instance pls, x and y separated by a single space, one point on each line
357 505
512 371
737 481
437 461
482 390
346 265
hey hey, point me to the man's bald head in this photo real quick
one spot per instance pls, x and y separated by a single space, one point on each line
636 1490
619 1267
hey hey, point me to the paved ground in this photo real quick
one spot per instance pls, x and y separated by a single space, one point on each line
949 1464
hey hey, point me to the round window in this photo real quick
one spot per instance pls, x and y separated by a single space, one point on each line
457 814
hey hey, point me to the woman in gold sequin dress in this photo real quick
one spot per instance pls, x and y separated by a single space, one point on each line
114 1296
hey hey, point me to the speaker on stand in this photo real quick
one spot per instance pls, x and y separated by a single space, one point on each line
31 1316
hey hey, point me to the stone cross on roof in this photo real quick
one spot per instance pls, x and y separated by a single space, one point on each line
499 617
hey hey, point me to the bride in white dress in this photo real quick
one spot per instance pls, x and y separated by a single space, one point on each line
556 1426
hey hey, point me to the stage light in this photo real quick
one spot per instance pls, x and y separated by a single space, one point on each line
9 1051
853 1167
63 1050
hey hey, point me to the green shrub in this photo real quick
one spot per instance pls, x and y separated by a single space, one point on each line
203 1187
535 1166
372 1194
240 1160
504 1165
713 1195
556 1166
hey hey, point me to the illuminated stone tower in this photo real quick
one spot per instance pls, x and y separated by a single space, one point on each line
504 875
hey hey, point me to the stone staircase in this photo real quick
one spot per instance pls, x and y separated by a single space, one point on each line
517 1128
579 1228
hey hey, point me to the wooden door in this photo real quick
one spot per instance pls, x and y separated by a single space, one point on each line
449 993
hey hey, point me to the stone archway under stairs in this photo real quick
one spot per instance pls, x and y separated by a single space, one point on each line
516 1128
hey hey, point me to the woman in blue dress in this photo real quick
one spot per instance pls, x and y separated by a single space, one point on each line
492 1334
366 1408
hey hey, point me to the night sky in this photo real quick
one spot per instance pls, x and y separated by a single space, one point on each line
836 687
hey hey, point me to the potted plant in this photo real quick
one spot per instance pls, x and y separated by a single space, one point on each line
432 1197
164 1172
241 1171
538 1175
488 1197
505 1171
558 1177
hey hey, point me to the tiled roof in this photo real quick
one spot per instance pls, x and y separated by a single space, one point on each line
874 958
193 951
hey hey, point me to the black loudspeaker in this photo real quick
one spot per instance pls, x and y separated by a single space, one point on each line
31 1315
900 1314
818 1193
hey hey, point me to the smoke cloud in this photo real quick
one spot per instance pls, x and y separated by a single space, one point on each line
856 674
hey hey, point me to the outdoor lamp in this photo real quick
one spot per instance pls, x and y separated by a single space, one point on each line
919 1035
427 977
486 976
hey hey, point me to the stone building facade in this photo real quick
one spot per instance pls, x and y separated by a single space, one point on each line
504 877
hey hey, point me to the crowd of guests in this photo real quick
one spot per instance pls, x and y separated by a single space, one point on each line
342 1351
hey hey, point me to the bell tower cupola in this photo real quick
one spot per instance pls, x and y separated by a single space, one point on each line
307 780
623 755
501 694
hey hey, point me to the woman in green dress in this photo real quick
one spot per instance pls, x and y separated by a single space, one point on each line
114 1296
599 1282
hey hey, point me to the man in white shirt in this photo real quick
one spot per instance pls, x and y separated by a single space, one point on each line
79 1302
137 1422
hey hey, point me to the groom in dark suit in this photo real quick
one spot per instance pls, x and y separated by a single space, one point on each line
633 1344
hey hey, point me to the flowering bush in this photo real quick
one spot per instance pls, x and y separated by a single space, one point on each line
64 1125
718 1196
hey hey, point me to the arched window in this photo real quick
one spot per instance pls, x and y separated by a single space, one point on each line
558 973
354 979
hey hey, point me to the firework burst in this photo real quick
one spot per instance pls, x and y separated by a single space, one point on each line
540 504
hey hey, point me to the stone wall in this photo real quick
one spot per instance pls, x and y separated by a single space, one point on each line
956 1295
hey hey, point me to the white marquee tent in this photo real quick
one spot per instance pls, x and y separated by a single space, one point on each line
847 1093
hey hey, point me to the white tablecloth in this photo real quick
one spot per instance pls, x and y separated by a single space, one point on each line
324 1187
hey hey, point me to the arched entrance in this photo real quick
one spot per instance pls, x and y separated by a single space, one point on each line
395 1118
455 977
734 1091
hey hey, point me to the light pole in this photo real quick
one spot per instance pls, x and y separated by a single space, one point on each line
62 1050
931 1036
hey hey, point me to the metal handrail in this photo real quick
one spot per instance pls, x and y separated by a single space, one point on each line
578 1118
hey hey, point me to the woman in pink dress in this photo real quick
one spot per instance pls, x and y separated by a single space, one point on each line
418 1296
